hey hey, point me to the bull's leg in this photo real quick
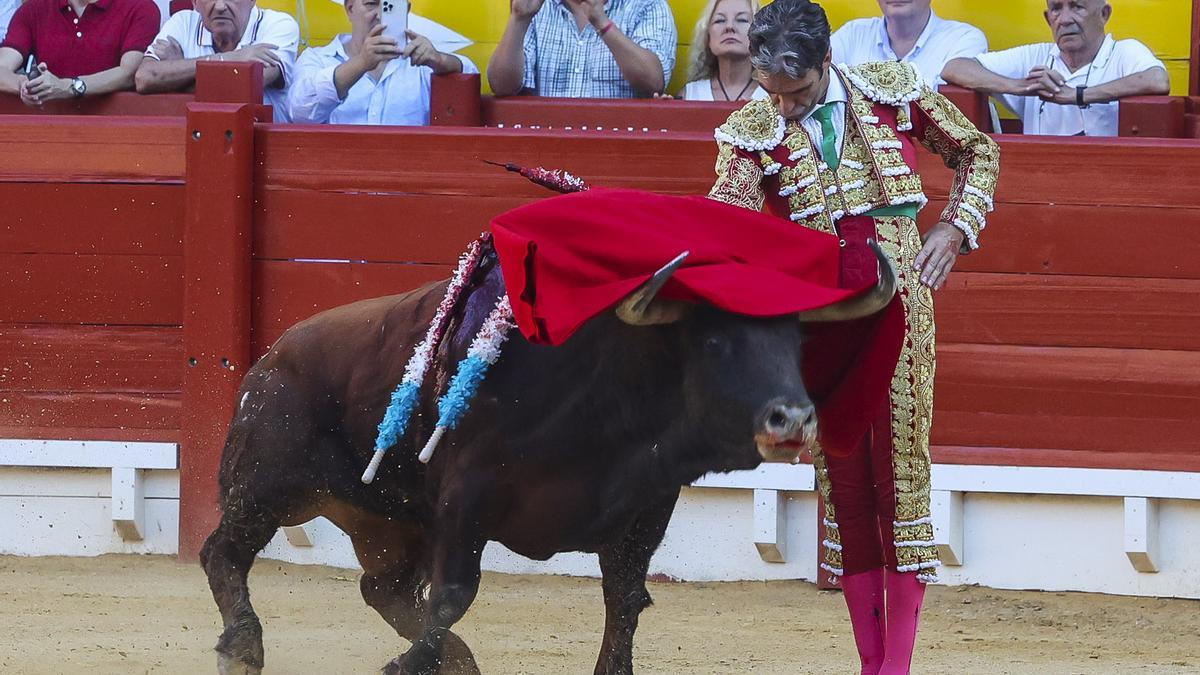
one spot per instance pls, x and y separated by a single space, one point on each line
227 556
391 553
454 580
624 565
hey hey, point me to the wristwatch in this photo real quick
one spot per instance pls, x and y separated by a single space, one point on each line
1079 96
78 87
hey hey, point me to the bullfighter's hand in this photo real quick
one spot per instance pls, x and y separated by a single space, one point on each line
1043 81
525 9
377 49
167 50
937 257
593 10
47 86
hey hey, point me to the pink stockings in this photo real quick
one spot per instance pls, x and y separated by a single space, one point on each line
885 608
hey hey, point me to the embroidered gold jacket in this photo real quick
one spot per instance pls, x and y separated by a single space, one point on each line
764 158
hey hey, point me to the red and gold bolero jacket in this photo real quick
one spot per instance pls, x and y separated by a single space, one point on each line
764 158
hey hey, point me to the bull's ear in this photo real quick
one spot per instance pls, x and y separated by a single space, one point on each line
865 304
642 308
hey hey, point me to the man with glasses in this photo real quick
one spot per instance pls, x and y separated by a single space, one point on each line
1069 87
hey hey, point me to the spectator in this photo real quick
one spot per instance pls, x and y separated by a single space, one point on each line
720 54
1069 87
83 48
911 32
223 30
585 48
7 7
330 84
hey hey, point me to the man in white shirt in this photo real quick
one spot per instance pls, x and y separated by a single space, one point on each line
908 31
7 9
1069 87
223 30
366 77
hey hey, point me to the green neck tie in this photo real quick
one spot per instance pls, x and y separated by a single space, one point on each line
824 115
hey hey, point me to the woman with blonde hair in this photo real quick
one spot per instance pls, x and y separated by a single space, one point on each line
720 54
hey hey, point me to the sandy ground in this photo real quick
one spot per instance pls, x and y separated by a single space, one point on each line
131 614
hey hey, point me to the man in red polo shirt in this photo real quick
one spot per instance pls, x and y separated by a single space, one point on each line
81 48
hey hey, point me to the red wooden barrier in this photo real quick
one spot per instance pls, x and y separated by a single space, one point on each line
1067 341
1194 88
216 322
120 103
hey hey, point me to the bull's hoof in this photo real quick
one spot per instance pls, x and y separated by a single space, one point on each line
227 665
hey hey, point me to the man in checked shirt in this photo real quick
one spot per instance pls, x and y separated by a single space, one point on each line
585 49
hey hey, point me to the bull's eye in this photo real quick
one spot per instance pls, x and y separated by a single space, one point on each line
715 344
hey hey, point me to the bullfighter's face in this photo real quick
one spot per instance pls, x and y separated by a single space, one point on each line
794 97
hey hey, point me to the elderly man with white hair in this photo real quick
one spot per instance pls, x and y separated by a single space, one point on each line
908 31
367 77
1069 87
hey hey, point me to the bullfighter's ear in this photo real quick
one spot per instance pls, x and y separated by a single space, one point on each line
643 308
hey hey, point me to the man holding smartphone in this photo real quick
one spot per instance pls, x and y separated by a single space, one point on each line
585 49
370 76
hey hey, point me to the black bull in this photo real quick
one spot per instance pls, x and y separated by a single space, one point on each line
582 447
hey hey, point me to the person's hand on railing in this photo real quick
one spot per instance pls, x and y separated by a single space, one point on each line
262 52
46 86
167 50
525 9
1048 85
664 97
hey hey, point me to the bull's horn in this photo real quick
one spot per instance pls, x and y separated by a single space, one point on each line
639 308
865 304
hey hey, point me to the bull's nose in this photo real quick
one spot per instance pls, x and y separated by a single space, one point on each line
785 421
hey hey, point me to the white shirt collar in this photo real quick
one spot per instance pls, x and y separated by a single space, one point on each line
206 39
836 93
883 41
1106 51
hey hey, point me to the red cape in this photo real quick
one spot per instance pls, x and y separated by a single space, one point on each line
566 259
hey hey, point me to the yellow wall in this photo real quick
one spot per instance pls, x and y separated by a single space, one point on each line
1164 25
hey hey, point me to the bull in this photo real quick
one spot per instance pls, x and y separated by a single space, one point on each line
580 447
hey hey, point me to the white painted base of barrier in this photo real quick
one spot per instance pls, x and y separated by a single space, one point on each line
1121 532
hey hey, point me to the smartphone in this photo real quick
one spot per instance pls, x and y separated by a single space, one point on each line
31 69
394 17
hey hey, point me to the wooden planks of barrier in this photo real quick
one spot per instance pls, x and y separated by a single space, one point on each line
1065 341
91 262
92 149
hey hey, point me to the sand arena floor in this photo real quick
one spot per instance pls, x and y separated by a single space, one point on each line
139 614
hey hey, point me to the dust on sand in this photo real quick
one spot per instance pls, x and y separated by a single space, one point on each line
135 614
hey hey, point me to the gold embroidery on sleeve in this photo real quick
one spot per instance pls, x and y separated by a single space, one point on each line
974 157
739 180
